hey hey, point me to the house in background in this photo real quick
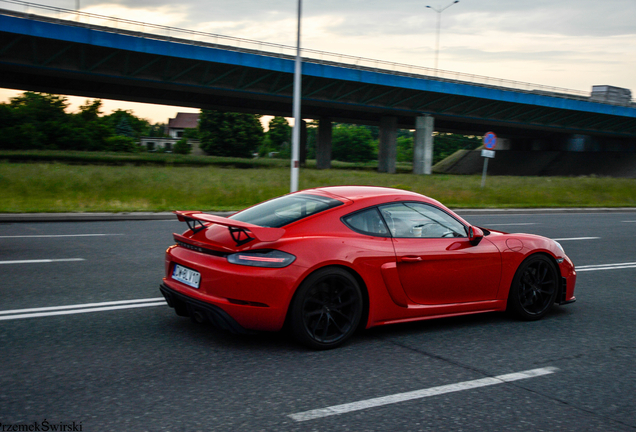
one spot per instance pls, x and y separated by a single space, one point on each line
177 126
175 129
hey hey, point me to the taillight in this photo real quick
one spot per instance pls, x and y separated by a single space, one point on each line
262 258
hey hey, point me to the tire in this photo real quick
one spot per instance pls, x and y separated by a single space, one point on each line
534 288
326 309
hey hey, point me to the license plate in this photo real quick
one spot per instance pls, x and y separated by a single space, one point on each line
186 276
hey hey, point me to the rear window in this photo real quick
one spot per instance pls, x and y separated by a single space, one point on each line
282 211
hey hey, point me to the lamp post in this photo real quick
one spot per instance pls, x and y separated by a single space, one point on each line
439 22
295 157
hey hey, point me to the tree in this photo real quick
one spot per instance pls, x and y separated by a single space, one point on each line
90 130
230 134
90 111
277 138
352 143
157 130
312 138
279 131
38 122
125 123
404 149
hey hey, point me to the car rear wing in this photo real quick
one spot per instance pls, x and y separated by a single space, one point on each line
242 232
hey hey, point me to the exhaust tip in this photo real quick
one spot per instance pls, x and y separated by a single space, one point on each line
199 317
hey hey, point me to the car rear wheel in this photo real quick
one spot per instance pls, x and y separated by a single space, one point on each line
326 309
534 288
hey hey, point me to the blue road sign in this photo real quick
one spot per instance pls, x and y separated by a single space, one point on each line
490 140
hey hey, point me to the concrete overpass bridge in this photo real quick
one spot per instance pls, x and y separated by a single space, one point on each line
65 52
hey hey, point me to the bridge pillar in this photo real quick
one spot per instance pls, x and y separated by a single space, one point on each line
423 145
323 144
388 145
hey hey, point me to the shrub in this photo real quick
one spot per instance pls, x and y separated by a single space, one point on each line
120 143
182 147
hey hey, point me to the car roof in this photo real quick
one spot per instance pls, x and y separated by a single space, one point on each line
358 193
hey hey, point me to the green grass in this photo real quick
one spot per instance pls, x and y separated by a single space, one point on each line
56 187
167 159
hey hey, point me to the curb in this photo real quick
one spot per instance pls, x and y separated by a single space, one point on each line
543 211
91 217
133 216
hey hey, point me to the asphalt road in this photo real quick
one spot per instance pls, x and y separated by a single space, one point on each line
143 368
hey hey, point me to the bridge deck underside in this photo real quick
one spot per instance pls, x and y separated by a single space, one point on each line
50 64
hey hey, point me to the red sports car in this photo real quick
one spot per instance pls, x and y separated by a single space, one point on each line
327 261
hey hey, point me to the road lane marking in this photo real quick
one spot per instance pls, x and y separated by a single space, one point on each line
419 394
629 221
42 261
615 266
510 224
576 238
80 308
59 235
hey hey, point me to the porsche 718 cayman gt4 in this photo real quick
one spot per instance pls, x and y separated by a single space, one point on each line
327 261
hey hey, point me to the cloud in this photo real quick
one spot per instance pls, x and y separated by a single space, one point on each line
164 15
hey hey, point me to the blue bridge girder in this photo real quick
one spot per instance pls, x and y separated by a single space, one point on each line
38 53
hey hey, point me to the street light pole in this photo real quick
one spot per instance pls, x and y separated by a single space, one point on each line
439 22
295 157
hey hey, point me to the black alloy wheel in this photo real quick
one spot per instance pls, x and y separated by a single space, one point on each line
326 309
534 288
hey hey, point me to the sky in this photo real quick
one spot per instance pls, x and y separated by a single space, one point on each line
571 44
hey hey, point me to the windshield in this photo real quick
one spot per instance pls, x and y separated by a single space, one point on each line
282 211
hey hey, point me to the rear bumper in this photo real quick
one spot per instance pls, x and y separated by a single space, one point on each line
201 311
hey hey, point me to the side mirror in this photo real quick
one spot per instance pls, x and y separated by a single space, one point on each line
475 235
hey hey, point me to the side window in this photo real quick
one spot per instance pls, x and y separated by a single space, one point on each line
367 222
420 220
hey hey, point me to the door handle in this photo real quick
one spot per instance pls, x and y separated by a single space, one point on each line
409 259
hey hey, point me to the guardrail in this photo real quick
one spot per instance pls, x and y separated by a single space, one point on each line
193 37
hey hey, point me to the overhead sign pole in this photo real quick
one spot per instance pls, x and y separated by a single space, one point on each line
295 159
490 141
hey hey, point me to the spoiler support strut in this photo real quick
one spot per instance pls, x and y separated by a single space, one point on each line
241 232
195 225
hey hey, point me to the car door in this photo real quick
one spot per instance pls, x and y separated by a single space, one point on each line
436 263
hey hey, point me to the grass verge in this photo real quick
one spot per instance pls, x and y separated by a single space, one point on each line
56 187
168 159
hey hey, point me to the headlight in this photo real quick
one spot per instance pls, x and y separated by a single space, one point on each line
559 246
262 258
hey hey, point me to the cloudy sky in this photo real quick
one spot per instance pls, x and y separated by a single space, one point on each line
572 44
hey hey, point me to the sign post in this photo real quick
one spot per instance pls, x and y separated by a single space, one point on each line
490 141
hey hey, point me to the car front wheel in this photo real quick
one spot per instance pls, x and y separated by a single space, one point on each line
326 309
534 288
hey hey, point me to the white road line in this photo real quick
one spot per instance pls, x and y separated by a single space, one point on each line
78 309
576 238
80 306
419 394
41 261
629 221
510 224
615 266
59 235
